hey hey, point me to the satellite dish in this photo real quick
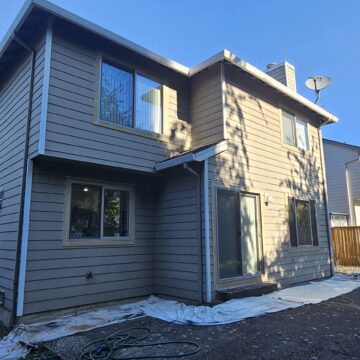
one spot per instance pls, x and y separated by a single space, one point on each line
317 83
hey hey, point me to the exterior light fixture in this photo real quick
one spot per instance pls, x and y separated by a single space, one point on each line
268 199
86 189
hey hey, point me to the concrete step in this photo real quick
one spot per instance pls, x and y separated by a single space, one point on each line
246 291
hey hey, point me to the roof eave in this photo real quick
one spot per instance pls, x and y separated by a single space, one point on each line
88 25
221 56
193 156
252 70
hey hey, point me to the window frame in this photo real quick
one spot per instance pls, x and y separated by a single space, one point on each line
345 215
312 245
102 240
135 72
295 119
230 281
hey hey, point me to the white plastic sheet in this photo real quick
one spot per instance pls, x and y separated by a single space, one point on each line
175 312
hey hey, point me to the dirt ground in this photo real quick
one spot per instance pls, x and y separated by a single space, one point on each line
329 330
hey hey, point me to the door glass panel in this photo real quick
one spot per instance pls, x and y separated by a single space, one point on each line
228 234
249 248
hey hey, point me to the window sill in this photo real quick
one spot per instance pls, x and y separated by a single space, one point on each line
97 243
132 131
304 249
296 149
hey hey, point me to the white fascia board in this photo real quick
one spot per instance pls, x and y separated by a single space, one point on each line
221 56
252 70
178 160
45 87
16 24
200 156
211 151
88 25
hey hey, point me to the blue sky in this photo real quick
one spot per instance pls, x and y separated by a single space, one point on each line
316 36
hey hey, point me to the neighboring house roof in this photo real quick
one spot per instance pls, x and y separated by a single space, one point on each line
197 154
224 55
339 143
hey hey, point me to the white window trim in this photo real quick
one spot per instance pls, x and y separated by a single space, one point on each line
102 240
135 72
310 222
296 119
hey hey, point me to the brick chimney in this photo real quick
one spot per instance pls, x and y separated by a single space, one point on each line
284 73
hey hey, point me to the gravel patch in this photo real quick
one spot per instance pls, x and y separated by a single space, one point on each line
329 330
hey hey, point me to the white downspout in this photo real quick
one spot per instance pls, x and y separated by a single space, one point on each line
207 232
25 240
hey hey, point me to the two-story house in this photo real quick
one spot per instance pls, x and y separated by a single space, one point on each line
342 163
124 174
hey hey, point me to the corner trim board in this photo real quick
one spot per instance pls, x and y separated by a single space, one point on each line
25 239
45 87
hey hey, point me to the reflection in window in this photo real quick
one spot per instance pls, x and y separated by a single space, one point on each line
295 132
116 95
118 101
303 222
148 104
85 211
301 135
288 129
116 213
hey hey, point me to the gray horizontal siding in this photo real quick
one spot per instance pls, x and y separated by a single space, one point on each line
257 161
336 156
207 107
71 131
56 274
13 115
177 256
354 190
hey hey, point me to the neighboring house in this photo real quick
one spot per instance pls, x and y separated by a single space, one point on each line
130 174
342 163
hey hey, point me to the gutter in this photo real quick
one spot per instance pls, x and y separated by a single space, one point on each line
184 70
24 178
326 201
207 231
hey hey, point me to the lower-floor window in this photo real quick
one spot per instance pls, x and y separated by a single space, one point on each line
99 211
339 220
303 222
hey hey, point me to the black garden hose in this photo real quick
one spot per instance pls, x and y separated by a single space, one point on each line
111 347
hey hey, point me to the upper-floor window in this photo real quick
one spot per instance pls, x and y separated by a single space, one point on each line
130 99
295 132
303 222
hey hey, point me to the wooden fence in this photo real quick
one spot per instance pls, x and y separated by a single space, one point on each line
346 244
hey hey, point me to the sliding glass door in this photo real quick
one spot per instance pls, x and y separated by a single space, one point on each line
237 233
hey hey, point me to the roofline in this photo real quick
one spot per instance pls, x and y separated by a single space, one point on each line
226 55
193 156
184 70
339 143
88 25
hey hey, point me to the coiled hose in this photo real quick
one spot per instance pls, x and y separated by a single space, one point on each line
114 346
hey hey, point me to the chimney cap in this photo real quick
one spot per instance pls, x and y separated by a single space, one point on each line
271 65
